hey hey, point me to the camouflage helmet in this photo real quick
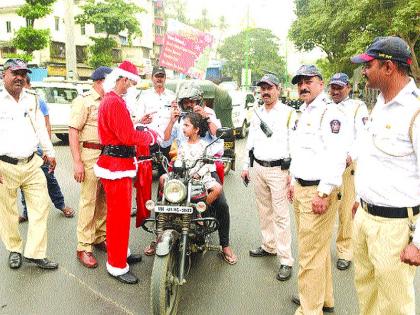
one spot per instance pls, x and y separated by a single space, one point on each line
191 92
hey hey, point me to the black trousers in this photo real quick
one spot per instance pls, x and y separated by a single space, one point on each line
221 210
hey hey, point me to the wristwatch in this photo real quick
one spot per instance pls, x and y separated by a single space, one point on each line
322 195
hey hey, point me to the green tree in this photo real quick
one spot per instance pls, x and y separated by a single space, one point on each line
342 28
28 38
203 23
263 54
176 9
110 17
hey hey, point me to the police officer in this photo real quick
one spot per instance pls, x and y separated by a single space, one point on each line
318 160
22 128
388 184
85 149
357 115
270 149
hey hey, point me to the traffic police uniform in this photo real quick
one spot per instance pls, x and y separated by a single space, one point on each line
22 128
91 225
318 160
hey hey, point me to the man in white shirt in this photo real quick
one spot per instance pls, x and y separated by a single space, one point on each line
319 150
22 128
270 148
357 116
388 184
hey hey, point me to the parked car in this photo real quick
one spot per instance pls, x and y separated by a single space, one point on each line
58 96
243 104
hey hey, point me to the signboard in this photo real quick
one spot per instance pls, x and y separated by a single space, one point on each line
185 49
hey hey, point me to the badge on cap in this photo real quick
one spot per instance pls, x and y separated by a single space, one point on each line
335 126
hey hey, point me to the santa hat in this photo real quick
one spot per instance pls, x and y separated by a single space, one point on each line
126 70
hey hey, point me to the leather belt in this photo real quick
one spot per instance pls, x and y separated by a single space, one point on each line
269 163
15 161
388 212
122 151
92 145
307 183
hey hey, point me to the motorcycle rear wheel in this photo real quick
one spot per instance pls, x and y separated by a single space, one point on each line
164 291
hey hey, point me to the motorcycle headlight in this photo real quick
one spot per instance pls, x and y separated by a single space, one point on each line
175 191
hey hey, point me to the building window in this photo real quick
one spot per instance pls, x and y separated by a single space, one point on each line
83 29
81 54
57 23
7 51
146 52
58 50
9 27
116 55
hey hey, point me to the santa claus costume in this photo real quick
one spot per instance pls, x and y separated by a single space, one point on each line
117 166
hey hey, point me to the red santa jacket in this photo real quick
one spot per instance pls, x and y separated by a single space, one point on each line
116 128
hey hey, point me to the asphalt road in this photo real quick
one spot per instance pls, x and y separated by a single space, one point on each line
213 287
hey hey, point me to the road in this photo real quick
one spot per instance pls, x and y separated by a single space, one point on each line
213 287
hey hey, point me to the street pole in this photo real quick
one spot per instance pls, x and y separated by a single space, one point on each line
71 62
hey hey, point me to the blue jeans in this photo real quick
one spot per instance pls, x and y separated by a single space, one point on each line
54 191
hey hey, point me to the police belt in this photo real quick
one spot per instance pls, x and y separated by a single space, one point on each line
92 145
121 151
15 161
388 212
307 183
269 163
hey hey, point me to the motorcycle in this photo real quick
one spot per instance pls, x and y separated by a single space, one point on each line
183 224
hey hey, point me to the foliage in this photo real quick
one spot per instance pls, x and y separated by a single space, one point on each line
101 52
176 9
262 54
203 23
29 39
24 57
343 28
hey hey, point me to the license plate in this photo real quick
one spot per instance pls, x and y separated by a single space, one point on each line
174 209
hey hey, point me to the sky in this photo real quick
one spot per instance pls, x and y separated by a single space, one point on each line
276 15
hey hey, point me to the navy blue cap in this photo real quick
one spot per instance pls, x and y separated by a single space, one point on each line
306 71
340 79
100 73
269 79
15 64
386 48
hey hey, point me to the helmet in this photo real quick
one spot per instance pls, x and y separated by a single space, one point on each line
191 92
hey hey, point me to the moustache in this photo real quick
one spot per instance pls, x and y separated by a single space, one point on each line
303 91
266 95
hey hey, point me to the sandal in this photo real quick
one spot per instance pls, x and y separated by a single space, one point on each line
68 212
230 259
150 250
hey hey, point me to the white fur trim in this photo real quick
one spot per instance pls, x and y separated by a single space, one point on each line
117 271
122 73
107 174
128 252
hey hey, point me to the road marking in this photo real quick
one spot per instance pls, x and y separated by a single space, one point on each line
97 293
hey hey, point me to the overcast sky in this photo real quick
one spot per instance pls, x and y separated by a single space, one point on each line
276 15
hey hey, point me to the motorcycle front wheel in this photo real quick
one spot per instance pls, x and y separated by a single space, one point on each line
165 292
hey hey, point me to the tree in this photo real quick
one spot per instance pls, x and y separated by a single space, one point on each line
343 28
28 38
203 23
110 17
262 55
176 9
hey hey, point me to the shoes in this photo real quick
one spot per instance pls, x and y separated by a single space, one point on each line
326 309
15 260
22 219
128 278
260 252
87 259
285 272
343 264
43 263
134 259
150 250
231 260
101 246
68 212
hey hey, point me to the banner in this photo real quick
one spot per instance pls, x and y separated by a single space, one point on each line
185 49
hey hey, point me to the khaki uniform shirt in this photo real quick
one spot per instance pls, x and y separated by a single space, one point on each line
84 116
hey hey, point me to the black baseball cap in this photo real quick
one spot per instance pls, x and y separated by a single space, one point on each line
158 70
386 48
15 64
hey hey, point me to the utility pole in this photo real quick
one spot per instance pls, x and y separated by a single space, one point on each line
71 62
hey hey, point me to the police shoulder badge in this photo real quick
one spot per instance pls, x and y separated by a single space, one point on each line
335 126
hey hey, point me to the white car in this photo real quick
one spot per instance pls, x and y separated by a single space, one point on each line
58 96
243 104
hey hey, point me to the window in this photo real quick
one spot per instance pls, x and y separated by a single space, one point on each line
7 51
57 23
9 27
83 29
146 52
58 50
81 54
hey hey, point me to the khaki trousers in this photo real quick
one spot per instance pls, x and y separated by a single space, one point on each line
273 208
384 284
91 224
314 239
344 243
31 180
